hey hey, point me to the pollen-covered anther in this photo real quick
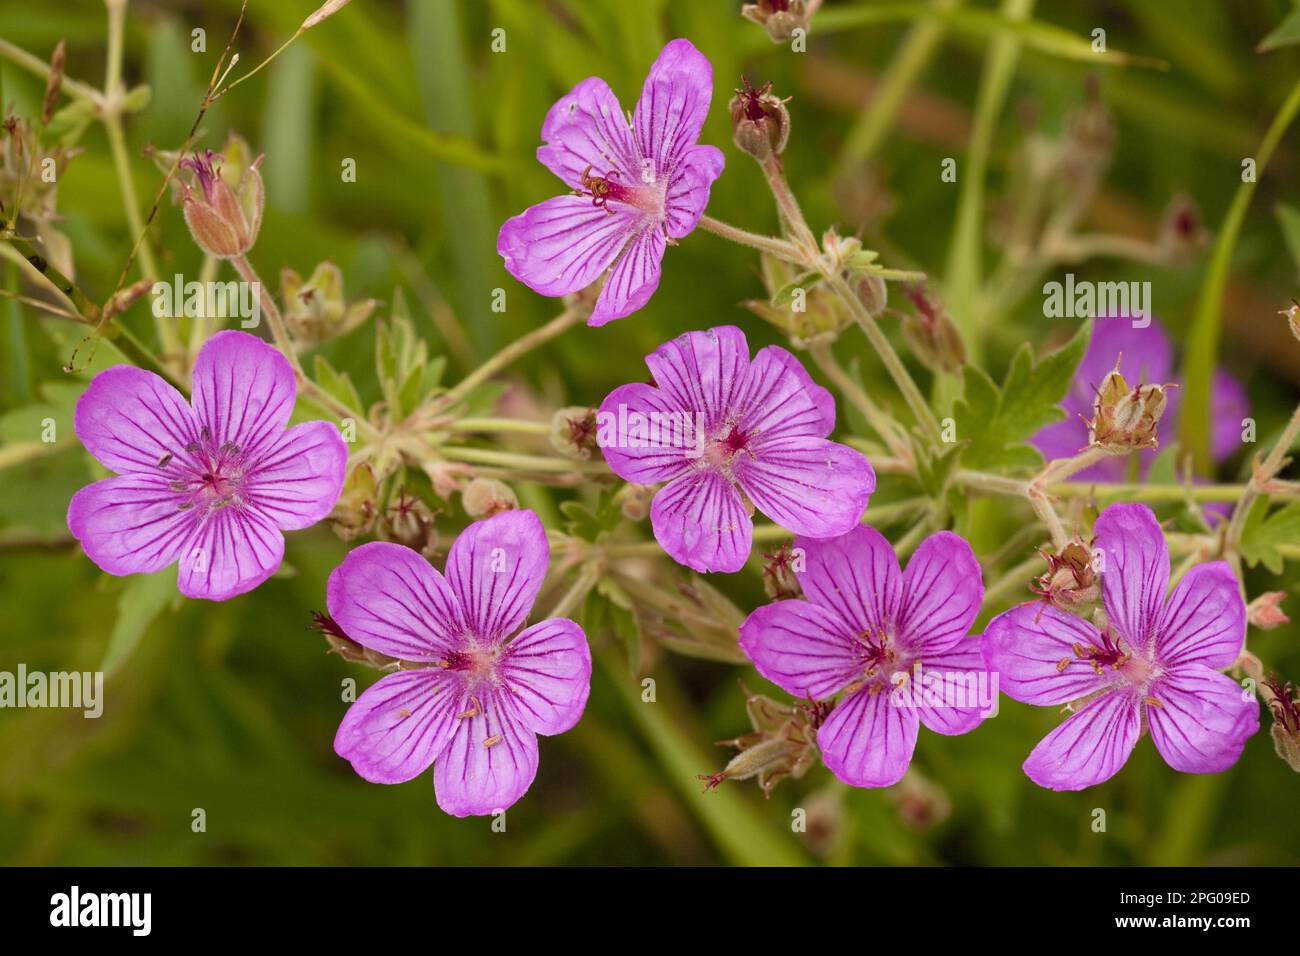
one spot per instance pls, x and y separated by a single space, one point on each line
493 740
473 711
1152 701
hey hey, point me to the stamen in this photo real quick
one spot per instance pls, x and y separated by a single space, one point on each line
494 739
1062 664
1154 702
165 460
472 712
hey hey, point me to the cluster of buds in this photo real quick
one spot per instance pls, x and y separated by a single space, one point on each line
760 122
1281 699
223 198
1126 418
315 309
1070 581
779 567
782 744
485 497
780 18
932 334
573 432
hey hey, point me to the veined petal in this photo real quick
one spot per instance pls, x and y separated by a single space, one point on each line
564 244
130 420
232 551
867 741
396 729
1204 621
688 190
1135 578
130 524
811 486
804 649
298 480
645 436
391 600
496 567
673 104
1203 719
244 391
780 400
634 278
1090 747
957 692
587 128
1032 648
490 761
855 575
942 590
700 520
547 669
702 371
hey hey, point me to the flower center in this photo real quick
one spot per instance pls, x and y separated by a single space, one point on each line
648 196
210 476
475 662
722 449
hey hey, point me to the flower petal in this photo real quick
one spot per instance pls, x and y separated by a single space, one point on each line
633 279
563 244
548 670
397 728
855 575
957 692
780 400
244 391
867 741
1090 747
587 128
1203 720
496 567
490 762
1135 578
130 524
298 480
700 520
232 551
688 191
804 649
129 419
702 371
811 486
645 436
1229 407
1026 646
942 590
1204 620
673 104
389 599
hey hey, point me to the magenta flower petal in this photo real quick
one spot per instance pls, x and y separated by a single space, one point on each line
688 190
130 524
300 479
1204 621
491 760
780 400
633 279
867 741
562 245
1026 647
703 371
243 391
586 131
231 552
1229 406
397 728
811 486
674 102
960 668
1090 747
496 567
804 649
388 598
856 576
1203 720
129 419
548 670
700 521
647 463
761 375
1135 578
942 590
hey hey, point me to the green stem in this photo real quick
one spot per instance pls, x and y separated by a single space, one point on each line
877 418
499 425
506 459
780 248
516 349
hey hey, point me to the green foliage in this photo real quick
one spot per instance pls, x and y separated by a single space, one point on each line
1263 533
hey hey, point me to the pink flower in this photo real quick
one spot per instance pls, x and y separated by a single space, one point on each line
725 435
637 187
210 483
894 641
1153 668
468 698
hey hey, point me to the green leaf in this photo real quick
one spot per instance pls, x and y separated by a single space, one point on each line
591 524
337 384
997 422
1263 532
1285 33
1288 217
144 596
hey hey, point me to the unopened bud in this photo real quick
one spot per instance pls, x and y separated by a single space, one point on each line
1265 612
224 221
783 743
409 521
573 432
920 803
1070 581
780 18
759 121
1285 708
485 497
315 309
779 567
1293 317
932 334
634 500
357 508
344 646
1182 230
1127 418
874 293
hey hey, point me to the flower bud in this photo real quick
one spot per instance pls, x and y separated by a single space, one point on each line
1124 418
873 292
315 309
780 18
779 566
920 803
1285 707
409 522
344 646
1265 612
1293 318
224 221
634 500
932 334
573 432
1182 233
783 743
759 121
1070 581
485 497
355 512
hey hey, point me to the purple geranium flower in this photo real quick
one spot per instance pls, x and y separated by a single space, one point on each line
876 633
1153 668
1147 357
468 698
210 483
637 187
725 435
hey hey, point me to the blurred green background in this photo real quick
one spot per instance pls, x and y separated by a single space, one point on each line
232 708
